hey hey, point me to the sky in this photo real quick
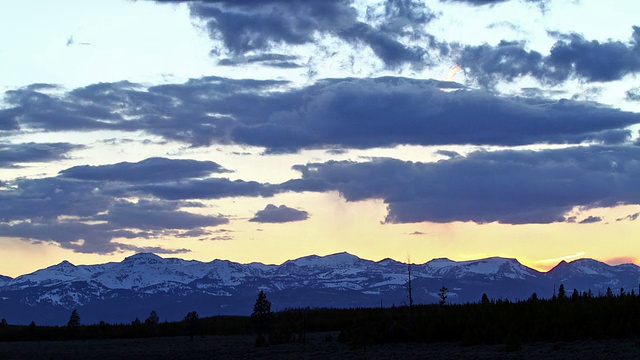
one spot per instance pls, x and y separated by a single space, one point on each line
274 129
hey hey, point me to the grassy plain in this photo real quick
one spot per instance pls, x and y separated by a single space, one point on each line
318 346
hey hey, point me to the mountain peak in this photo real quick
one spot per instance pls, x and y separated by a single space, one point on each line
147 281
341 258
143 255
65 264
142 258
584 266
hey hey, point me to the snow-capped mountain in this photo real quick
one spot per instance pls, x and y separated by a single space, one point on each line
120 292
492 268
595 275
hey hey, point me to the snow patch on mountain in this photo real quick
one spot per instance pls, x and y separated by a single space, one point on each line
489 267
334 280
339 260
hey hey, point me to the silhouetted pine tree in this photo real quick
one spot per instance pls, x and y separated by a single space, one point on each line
74 319
575 295
609 292
73 324
562 294
192 323
33 331
485 299
261 317
152 323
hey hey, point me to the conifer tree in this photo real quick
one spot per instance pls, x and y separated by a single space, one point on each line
260 317
152 322
485 299
192 323
33 330
562 294
609 292
73 324
74 319
575 295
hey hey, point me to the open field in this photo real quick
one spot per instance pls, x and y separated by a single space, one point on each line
317 347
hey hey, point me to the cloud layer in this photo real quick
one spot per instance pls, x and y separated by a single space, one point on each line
279 214
12 154
247 27
86 209
512 187
571 57
343 113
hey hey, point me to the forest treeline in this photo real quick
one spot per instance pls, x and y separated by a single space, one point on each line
564 317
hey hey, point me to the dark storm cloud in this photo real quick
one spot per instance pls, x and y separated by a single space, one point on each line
383 45
148 170
46 199
249 26
13 154
513 187
279 214
179 112
88 213
593 60
572 56
331 113
365 113
8 121
34 109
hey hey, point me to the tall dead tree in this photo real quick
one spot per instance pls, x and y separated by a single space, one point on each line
409 287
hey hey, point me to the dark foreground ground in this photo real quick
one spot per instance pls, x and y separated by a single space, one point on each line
318 346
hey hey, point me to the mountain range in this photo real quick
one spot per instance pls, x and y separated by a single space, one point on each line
122 291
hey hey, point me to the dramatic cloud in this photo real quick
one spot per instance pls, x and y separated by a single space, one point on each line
513 187
84 208
152 169
249 26
11 155
572 56
279 214
333 113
